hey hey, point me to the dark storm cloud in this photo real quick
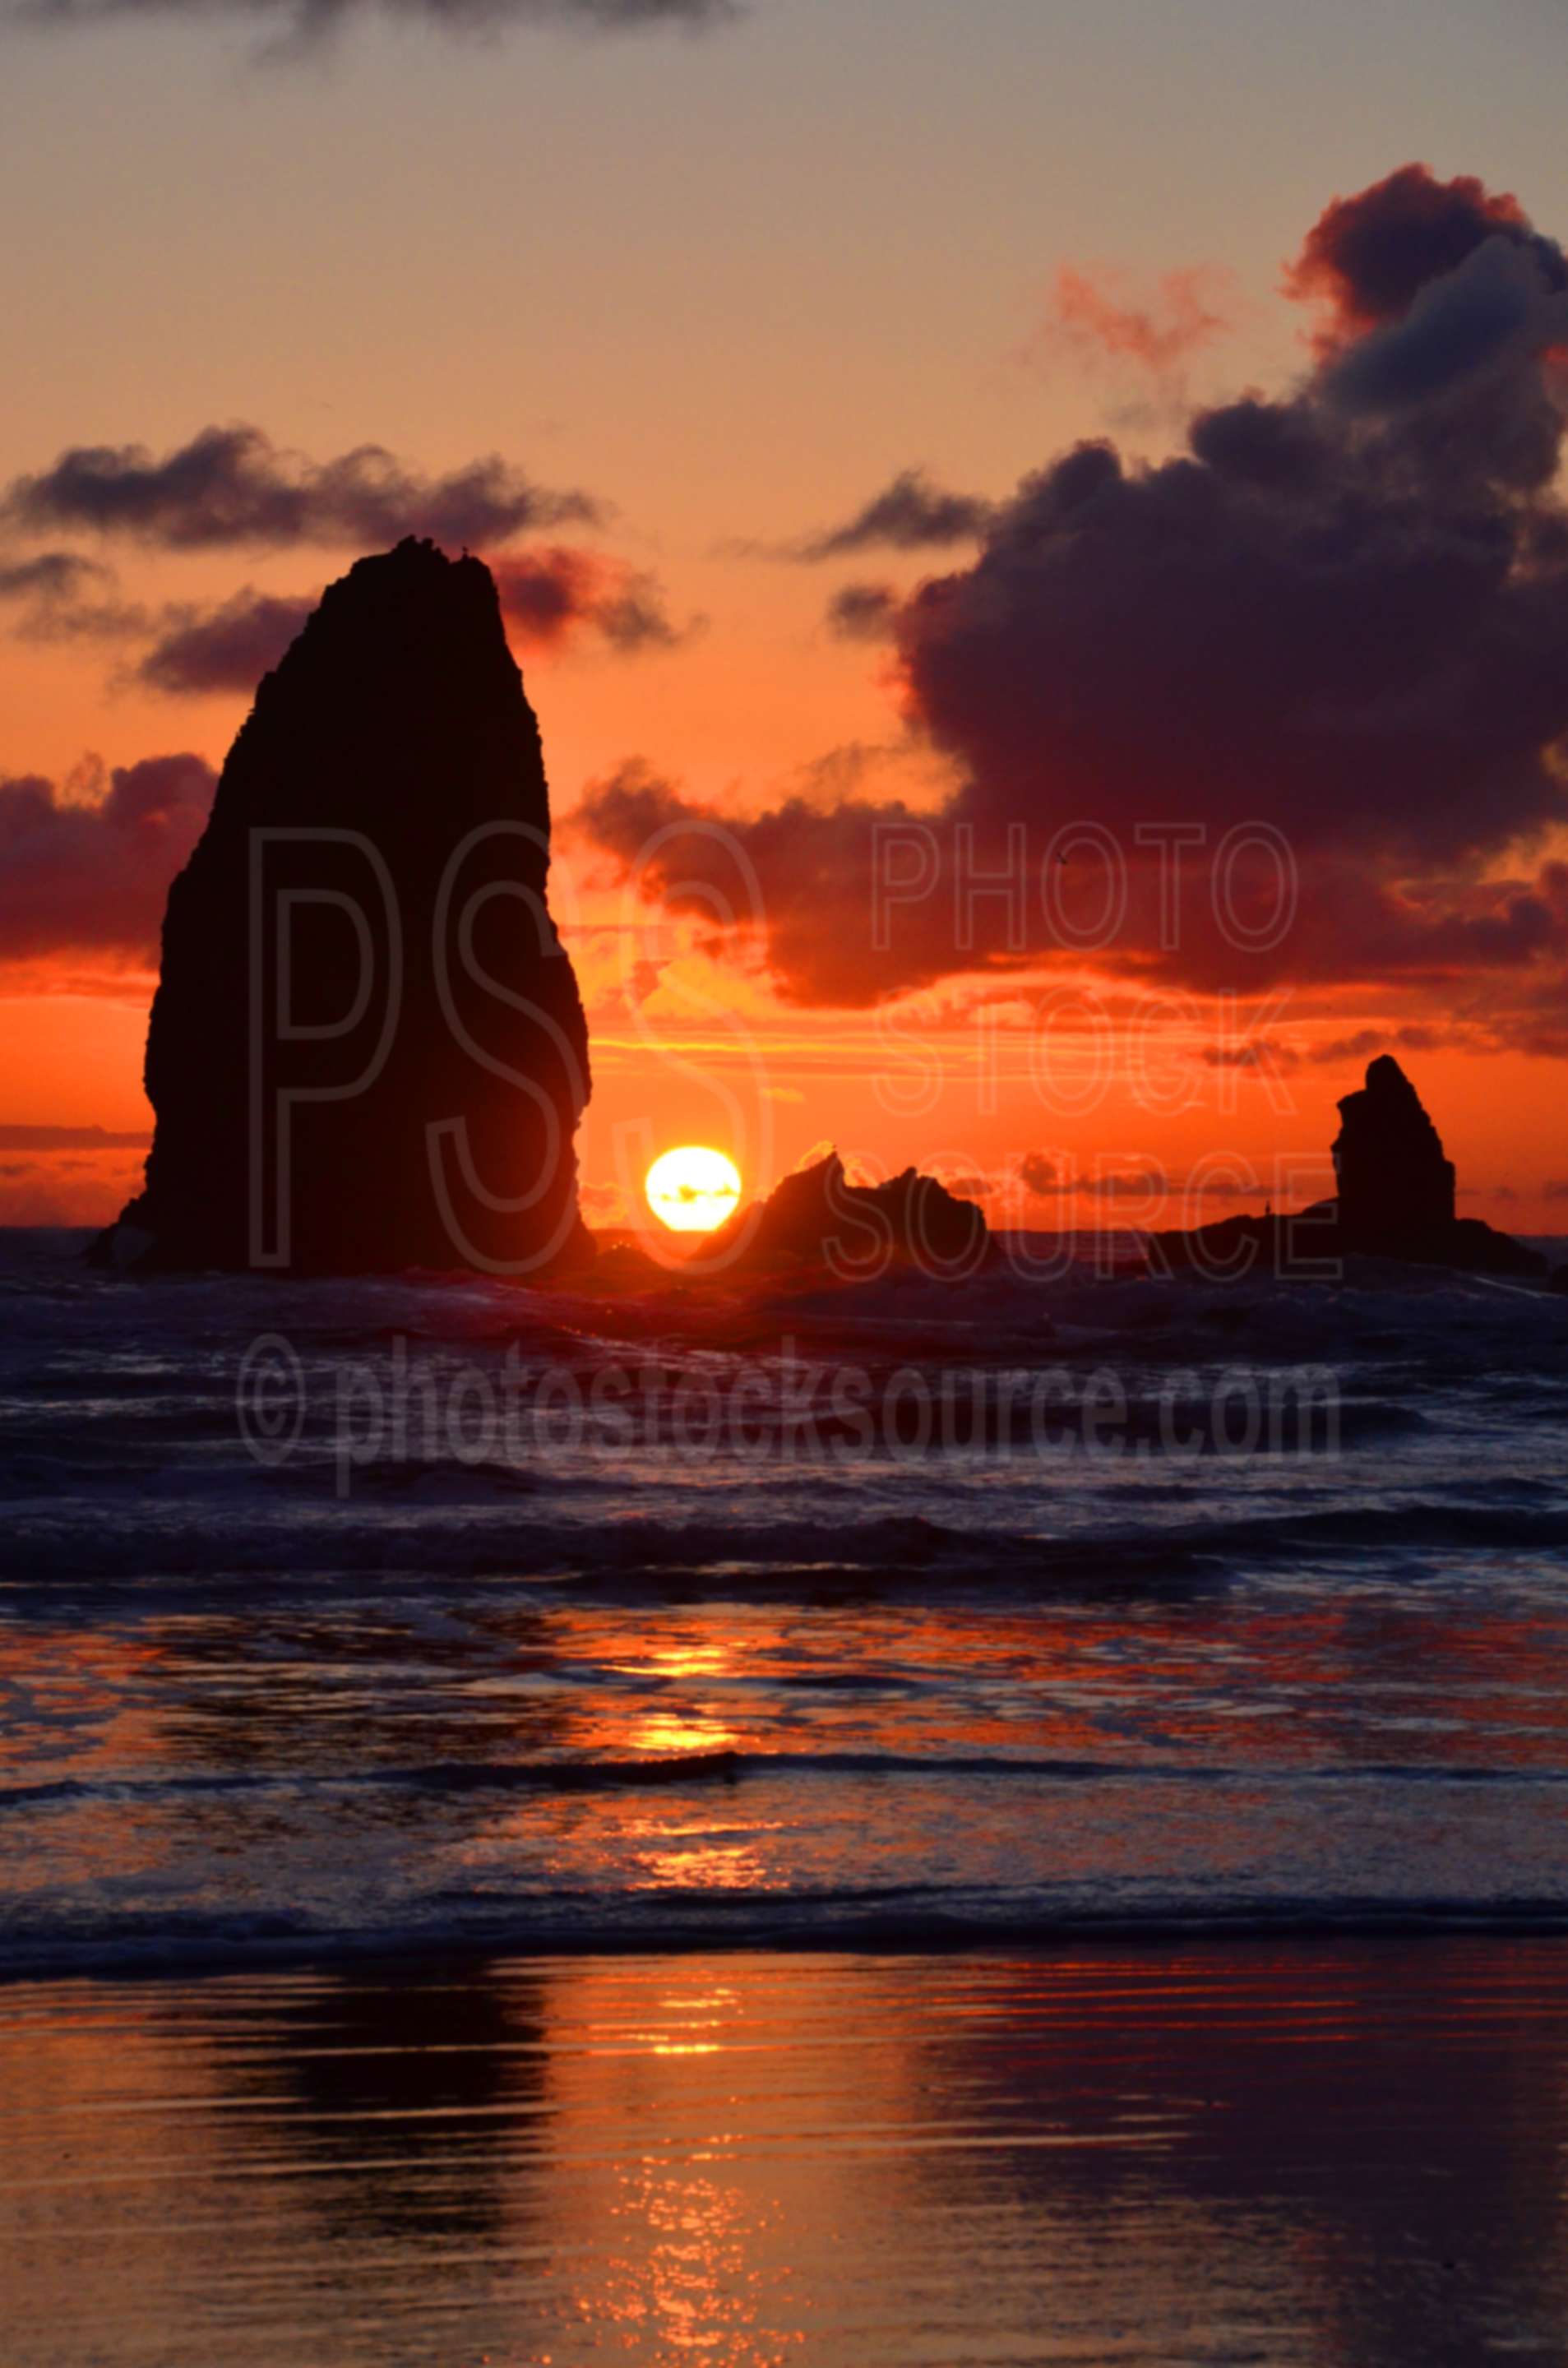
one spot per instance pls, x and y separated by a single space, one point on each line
1465 396
1352 657
912 514
1368 257
1442 303
233 486
814 903
1354 628
1342 616
82 873
813 866
304 21
222 649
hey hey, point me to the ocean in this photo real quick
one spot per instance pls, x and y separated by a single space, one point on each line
1124 1711
580 1619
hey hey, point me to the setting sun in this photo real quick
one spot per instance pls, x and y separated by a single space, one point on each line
693 1190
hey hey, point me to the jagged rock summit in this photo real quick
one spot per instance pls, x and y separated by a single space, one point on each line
367 1051
817 1218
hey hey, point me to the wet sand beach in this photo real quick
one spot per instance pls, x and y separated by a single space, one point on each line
1320 2153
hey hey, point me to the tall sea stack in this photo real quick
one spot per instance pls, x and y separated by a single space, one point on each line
367 1051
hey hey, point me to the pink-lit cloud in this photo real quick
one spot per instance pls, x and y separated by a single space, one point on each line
1189 310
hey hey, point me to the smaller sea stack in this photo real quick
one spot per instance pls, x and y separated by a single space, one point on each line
1396 1190
1396 1201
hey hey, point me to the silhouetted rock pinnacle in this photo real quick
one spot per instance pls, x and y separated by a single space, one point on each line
1396 1190
367 1050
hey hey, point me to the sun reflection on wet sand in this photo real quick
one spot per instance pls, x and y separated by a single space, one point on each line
1312 2154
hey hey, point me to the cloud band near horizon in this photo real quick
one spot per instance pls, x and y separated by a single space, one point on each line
306 23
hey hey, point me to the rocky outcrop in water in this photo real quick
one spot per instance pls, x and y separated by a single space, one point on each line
1396 1201
817 1218
367 1051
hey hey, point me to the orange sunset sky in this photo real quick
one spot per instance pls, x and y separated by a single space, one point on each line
730 340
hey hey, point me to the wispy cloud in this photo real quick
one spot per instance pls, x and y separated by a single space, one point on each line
224 649
912 512
1188 310
303 24
863 612
232 486
70 1138
550 595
